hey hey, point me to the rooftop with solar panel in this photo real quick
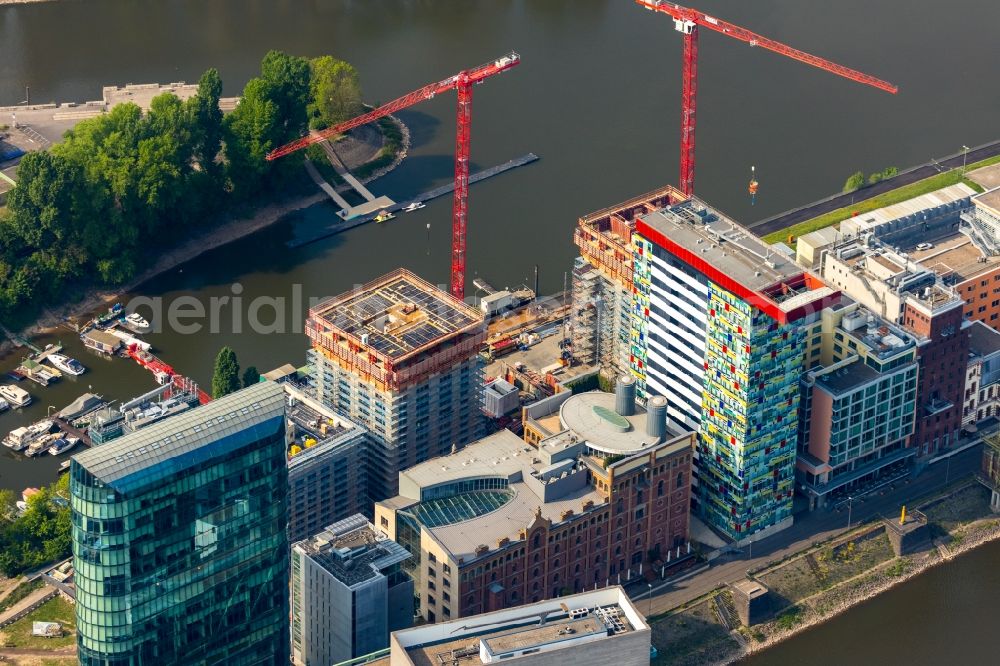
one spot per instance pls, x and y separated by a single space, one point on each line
395 317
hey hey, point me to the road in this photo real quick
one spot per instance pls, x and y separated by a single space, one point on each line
810 528
788 218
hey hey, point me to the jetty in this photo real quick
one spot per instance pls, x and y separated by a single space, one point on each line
340 227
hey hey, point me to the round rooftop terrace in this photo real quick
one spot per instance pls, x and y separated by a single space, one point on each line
592 417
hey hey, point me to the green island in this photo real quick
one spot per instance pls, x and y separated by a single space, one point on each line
122 188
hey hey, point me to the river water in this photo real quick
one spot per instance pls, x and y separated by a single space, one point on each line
596 96
944 616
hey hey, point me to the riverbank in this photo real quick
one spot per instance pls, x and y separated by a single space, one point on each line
815 585
356 153
862 588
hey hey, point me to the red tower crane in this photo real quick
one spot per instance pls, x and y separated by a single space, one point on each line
462 83
687 22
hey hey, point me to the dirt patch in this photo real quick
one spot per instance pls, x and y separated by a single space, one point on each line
693 637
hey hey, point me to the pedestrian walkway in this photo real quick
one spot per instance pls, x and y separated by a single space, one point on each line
35 597
325 186
342 171
808 529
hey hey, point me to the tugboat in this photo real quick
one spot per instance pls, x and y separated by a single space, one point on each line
15 395
136 323
66 364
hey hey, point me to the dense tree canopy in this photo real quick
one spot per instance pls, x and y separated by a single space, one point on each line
335 92
42 534
122 186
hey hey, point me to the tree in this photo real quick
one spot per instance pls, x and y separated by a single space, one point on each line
855 182
334 92
206 120
287 83
251 131
250 376
226 377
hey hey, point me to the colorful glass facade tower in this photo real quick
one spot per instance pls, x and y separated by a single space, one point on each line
718 319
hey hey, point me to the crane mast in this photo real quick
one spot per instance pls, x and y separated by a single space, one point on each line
462 83
687 21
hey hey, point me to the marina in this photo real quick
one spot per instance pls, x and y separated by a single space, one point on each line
386 213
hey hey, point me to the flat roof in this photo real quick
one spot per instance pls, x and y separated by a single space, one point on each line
584 415
529 637
719 241
501 454
507 520
989 199
824 236
592 616
176 443
398 315
983 339
923 202
848 378
953 254
353 551
987 177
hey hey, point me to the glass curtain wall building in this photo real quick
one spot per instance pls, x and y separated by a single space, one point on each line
179 538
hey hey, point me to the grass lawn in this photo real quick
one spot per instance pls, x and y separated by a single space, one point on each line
56 609
818 571
692 637
904 193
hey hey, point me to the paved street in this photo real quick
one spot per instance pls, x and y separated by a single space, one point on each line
788 218
808 529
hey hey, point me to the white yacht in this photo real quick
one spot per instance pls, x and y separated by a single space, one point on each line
63 444
4 405
136 323
18 438
416 205
63 363
15 395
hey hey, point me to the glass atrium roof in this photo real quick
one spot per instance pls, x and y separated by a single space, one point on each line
435 513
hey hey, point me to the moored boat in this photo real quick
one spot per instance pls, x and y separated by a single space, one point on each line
136 323
4 405
15 395
63 444
18 439
384 216
416 205
42 444
66 364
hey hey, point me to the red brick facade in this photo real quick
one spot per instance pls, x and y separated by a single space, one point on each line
646 513
941 383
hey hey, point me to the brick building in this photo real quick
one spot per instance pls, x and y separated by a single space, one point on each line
502 523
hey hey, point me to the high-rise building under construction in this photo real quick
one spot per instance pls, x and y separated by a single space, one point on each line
400 357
